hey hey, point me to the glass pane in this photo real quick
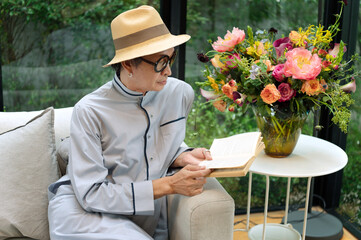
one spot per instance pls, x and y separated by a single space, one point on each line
52 52
208 19
350 202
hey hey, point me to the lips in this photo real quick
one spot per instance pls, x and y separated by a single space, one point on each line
163 82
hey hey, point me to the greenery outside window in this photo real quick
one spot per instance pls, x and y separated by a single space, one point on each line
52 52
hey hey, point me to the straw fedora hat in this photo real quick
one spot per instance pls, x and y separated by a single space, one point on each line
140 32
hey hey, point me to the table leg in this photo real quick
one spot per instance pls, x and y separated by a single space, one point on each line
306 208
265 208
249 199
287 199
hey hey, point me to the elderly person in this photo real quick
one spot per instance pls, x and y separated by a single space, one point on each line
125 139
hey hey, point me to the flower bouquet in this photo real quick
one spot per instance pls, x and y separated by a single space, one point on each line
283 79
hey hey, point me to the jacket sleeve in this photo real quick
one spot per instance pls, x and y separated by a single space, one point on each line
89 177
188 98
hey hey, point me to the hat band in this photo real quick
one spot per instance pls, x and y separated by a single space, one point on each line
141 36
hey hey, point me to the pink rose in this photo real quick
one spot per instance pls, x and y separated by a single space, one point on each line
232 63
301 64
281 44
230 40
286 92
278 72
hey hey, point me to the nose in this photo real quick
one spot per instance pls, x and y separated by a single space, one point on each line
167 70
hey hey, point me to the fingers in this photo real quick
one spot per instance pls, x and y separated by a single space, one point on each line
189 180
196 171
206 154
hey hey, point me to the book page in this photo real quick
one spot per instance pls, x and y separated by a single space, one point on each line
234 151
227 161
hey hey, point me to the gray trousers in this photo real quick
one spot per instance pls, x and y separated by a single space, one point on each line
69 221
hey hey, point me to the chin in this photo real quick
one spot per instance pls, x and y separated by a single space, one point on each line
159 88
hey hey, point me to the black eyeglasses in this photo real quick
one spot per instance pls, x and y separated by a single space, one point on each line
162 62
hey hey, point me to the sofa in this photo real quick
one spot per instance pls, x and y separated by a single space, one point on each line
33 155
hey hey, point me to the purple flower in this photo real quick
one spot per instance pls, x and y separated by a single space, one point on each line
286 92
202 57
281 44
255 71
239 98
278 72
272 30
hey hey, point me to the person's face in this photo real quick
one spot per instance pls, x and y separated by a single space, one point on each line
145 78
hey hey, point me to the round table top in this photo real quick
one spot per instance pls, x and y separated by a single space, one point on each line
311 157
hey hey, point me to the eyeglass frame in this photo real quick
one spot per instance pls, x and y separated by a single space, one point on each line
170 61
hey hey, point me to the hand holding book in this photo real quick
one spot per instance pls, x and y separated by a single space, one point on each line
232 156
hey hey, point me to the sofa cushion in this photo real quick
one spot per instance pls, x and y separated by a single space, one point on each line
27 166
62 155
10 120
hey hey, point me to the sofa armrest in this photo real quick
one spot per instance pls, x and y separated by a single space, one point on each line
209 215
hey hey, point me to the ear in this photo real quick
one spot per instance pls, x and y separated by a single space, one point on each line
127 66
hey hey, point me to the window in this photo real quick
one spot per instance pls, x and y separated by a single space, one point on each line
52 52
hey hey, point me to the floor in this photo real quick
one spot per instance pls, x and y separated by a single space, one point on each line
273 217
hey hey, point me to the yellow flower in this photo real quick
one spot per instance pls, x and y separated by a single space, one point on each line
217 63
215 86
321 36
300 38
257 50
211 80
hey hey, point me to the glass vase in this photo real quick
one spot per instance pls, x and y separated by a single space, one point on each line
280 129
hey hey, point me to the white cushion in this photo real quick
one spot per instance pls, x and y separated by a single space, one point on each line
10 120
27 166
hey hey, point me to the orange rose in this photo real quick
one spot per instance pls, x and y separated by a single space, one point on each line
228 90
220 105
311 87
268 64
270 94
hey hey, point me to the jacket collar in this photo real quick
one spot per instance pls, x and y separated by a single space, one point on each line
122 89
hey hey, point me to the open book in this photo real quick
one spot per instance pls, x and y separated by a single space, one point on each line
233 156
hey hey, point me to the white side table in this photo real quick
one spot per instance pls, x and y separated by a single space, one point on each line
311 157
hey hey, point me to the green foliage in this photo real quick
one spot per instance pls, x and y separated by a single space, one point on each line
57 14
52 51
52 15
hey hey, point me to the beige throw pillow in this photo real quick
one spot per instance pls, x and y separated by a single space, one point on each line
27 166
